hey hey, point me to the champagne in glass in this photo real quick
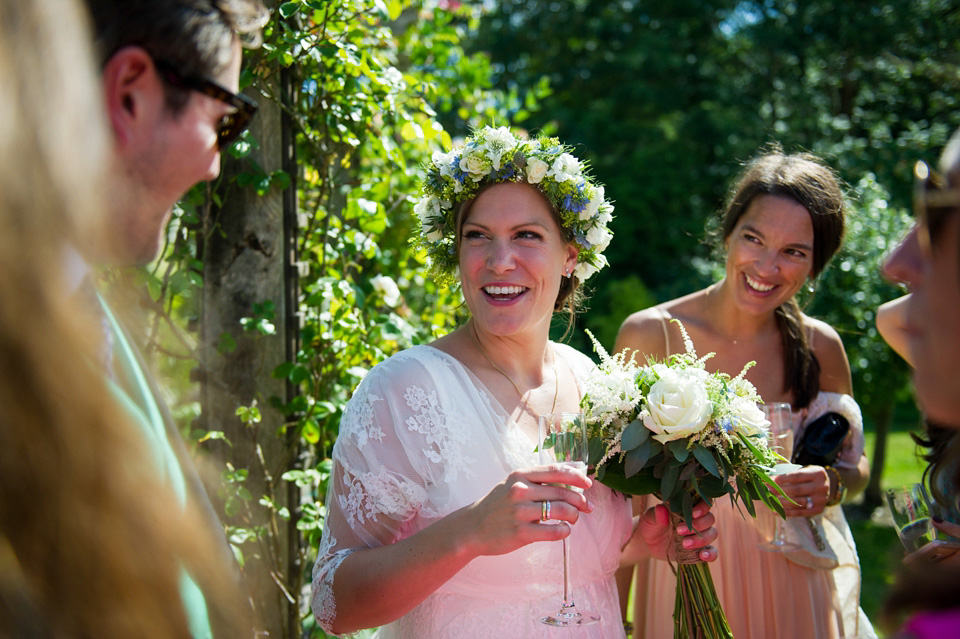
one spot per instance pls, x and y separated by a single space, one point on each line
563 439
910 509
781 441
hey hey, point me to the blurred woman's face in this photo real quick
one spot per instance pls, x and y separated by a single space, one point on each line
512 257
932 322
769 253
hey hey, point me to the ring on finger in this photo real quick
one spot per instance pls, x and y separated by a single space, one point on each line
545 510
809 502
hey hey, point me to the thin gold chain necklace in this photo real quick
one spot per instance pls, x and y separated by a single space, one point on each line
523 396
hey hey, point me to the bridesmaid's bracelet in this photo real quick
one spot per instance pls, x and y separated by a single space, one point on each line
840 492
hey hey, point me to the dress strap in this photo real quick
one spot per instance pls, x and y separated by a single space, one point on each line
662 314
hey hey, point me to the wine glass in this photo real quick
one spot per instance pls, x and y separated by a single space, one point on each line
910 508
781 441
563 440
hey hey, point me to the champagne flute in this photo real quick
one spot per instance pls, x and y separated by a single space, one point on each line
781 440
910 508
563 440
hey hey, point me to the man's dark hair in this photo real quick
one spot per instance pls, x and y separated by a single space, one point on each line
195 37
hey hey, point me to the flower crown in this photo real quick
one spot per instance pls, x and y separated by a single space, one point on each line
492 156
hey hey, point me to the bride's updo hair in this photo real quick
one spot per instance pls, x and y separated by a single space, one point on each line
570 296
803 178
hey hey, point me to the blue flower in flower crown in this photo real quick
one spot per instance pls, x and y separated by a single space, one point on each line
493 155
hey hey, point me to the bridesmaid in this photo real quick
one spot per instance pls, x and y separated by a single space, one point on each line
783 222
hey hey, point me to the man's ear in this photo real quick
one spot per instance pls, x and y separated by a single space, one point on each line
133 94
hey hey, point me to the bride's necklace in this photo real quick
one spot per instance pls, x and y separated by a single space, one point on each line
523 396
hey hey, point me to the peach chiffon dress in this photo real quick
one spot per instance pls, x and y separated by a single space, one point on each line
770 595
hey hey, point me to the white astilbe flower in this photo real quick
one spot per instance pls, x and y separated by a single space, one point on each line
613 390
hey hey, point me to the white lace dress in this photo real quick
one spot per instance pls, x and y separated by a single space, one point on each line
421 438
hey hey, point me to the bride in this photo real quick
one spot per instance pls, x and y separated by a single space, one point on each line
437 509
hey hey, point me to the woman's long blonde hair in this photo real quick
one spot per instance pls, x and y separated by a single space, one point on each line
91 541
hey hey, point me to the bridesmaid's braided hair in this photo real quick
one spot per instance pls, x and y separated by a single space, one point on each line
801 177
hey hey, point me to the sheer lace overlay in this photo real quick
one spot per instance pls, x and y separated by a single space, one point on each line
420 439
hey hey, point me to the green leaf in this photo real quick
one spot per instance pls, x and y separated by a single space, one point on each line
678 448
226 343
310 431
287 9
634 435
669 482
283 370
706 459
637 458
686 504
748 504
595 449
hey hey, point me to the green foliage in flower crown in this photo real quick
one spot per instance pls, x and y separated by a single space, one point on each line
492 156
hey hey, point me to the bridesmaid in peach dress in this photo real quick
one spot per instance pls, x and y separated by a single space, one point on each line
783 222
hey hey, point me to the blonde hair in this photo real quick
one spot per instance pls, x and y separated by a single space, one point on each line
91 542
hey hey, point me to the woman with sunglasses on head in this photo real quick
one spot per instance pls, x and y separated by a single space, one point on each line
942 445
927 261
783 222
437 504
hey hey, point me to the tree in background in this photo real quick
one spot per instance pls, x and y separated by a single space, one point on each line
669 99
665 98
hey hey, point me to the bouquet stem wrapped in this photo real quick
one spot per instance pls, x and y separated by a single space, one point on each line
672 430
697 613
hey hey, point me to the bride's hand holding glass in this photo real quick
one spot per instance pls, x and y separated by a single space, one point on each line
509 516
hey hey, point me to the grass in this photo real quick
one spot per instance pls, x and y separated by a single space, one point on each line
877 543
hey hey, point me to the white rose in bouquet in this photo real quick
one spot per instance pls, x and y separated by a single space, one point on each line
748 418
677 405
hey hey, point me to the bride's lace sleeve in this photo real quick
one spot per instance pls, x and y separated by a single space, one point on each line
389 449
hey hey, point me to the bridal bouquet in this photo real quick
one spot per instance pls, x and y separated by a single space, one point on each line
673 430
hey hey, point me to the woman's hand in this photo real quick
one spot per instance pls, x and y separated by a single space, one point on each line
939 551
657 533
809 487
511 515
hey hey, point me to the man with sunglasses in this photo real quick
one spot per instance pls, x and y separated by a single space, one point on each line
170 76
171 71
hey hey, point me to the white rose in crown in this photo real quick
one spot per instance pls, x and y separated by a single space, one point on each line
428 210
536 170
584 270
565 168
499 141
596 199
748 418
677 405
599 237
476 164
443 161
